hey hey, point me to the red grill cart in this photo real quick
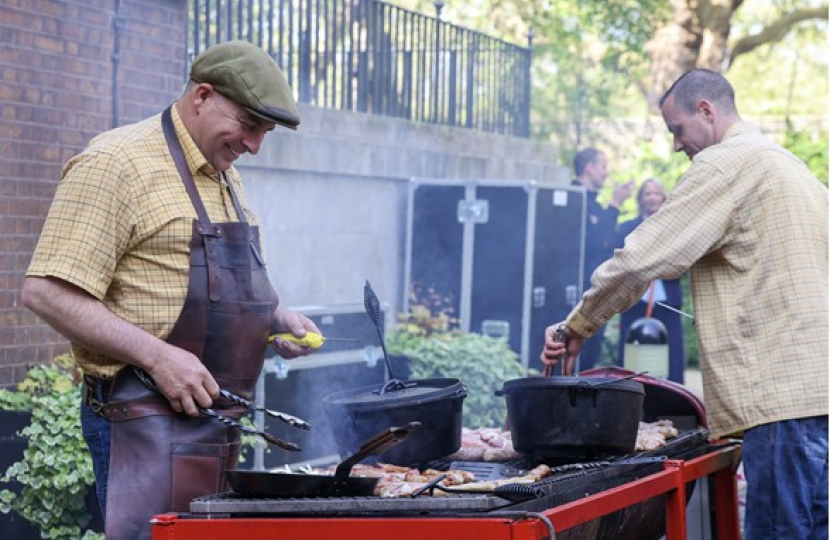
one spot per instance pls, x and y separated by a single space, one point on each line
669 484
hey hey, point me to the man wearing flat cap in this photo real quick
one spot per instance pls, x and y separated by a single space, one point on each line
149 263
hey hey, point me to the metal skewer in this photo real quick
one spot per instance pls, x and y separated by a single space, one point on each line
661 304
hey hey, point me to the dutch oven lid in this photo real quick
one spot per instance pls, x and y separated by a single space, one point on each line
587 383
417 391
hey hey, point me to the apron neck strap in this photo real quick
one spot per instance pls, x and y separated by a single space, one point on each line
177 153
239 212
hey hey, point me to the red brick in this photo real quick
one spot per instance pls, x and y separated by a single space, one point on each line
7 373
56 64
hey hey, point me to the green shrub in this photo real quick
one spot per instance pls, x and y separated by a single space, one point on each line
56 470
481 363
812 148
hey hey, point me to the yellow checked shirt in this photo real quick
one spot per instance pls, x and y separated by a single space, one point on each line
120 227
749 221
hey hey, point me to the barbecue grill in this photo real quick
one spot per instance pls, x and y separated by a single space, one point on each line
640 496
568 482
599 515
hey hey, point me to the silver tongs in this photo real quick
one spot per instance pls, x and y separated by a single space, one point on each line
292 421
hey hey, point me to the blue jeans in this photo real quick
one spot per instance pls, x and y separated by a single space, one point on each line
785 464
96 431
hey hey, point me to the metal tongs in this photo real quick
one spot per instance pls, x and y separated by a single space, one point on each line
292 421
559 336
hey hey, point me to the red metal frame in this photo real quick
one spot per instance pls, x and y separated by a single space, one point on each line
671 481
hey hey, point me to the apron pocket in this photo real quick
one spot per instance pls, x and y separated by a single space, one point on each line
198 469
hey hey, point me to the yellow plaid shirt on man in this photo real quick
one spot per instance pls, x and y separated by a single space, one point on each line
120 227
749 221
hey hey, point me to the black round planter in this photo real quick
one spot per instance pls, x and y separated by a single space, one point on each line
12 446
13 525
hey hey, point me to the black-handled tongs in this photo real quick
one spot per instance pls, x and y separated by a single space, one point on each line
279 443
292 421
287 418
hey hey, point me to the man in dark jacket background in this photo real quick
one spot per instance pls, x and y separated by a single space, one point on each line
591 169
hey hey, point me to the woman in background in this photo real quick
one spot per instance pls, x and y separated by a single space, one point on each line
667 291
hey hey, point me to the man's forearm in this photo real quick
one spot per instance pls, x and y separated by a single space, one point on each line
85 320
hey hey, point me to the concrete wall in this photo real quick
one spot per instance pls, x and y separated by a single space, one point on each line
332 197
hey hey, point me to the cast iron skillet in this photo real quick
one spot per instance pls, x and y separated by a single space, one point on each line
261 484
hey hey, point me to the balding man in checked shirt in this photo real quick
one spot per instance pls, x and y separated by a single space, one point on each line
749 222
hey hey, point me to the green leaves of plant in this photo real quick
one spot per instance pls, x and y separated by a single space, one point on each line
481 363
56 470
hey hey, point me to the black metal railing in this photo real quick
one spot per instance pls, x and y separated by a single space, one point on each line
370 56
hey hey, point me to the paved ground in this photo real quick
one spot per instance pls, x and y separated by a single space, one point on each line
691 379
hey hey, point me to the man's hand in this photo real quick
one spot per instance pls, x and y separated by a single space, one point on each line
621 193
555 349
183 379
296 324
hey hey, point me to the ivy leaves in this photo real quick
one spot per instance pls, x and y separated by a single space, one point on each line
56 470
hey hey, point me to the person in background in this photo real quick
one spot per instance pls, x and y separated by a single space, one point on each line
749 221
591 169
149 263
650 197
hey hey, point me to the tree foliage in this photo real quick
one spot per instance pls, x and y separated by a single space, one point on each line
600 59
811 149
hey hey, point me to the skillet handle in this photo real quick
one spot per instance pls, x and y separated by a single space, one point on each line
379 443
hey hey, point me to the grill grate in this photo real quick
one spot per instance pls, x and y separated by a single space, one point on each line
568 482
233 504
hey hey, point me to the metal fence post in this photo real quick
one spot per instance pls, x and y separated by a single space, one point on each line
436 85
525 113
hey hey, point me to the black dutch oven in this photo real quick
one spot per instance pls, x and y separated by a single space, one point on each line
436 403
573 417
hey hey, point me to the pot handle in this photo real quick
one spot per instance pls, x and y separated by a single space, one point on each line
381 442
613 380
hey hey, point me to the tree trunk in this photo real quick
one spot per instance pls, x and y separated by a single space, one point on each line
695 36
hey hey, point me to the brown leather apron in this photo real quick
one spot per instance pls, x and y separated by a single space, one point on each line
161 460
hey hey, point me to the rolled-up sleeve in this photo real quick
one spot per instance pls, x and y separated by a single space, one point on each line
695 220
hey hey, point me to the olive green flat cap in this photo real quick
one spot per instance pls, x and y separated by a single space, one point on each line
245 73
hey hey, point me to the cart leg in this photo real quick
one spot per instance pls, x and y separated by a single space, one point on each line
726 505
676 506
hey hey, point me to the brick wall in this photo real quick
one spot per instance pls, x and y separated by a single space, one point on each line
56 60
